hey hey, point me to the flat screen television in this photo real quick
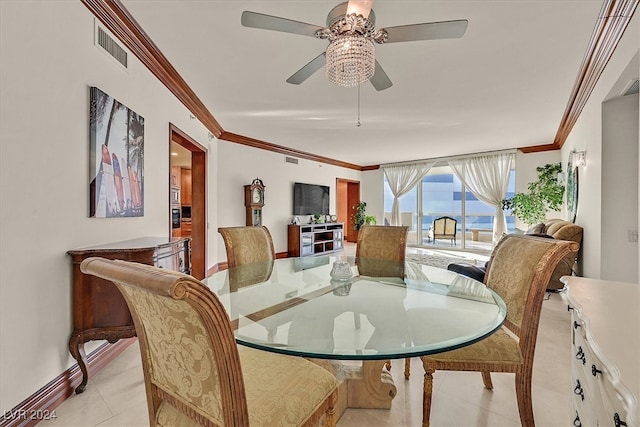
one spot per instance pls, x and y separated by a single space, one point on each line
310 199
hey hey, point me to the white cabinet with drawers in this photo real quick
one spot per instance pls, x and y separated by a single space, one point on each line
605 322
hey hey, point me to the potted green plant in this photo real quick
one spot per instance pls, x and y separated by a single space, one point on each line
360 218
544 195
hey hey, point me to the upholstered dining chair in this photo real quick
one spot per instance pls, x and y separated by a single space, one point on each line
248 245
519 270
194 373
380 250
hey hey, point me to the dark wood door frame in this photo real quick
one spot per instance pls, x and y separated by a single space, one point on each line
348 195
199 199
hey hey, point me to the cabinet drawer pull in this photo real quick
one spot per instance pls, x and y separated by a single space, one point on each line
617 421
569 308
580 355
576 325
595 371
576 420
578 389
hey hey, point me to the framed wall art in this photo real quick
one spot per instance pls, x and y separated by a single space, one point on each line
116 169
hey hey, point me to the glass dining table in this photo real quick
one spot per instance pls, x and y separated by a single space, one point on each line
327 309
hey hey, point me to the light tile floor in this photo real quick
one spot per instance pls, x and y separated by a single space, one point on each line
116 396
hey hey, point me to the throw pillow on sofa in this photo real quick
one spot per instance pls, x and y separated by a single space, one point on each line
540 228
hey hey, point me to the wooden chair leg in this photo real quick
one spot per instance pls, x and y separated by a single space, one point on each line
486 379
427 393
523 395
407 368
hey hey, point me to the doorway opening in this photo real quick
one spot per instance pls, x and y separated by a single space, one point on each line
191 197
348 196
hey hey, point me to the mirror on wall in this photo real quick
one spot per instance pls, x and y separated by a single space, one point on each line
572 189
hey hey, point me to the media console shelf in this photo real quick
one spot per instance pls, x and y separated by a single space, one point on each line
315 239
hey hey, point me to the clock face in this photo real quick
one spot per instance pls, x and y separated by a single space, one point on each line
257 195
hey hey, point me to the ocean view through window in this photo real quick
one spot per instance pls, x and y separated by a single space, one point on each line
440 193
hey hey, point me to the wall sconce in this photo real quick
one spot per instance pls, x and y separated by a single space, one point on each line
578 158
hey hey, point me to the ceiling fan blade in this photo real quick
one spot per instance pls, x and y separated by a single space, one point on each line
426 31
380 80
275 23
305 72
359 7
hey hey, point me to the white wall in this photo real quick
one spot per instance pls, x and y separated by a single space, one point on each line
48 64
372 192
587 135
238 165
619 189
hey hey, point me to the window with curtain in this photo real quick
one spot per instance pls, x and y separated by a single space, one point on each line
441 193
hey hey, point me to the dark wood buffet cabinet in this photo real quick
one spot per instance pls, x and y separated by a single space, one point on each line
99 310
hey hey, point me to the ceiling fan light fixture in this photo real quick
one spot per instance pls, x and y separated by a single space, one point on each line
360 7
350 60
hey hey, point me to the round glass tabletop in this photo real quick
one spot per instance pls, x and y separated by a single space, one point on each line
325 307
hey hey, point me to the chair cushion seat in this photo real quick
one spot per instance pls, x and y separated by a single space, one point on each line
282 390
498 348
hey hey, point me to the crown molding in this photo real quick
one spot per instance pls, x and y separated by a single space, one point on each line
256 143
613 20
119 21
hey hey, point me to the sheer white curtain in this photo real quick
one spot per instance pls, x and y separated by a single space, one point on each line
487 177
401 179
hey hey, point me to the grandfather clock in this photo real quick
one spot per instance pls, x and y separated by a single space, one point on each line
254 201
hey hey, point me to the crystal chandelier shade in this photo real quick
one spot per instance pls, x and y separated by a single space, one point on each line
350 60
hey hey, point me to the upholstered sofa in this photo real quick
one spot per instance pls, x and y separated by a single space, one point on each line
563 230
553 228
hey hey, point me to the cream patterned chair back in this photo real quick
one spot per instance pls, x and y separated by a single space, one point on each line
192 365
380 250
247 245
518 271
251 248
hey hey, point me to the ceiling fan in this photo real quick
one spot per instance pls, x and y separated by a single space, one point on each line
350 56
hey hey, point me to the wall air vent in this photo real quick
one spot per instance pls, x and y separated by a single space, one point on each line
293 160
110 45
632 88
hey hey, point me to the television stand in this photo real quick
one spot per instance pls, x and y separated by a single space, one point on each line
315 239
